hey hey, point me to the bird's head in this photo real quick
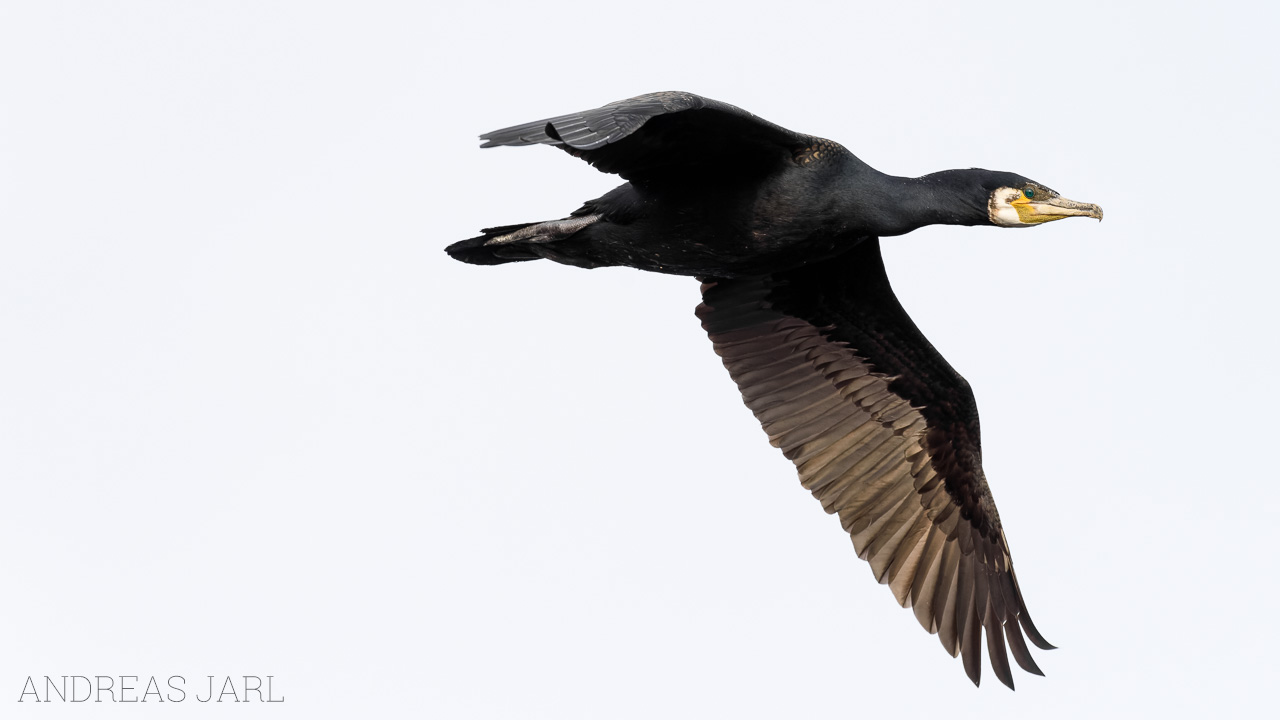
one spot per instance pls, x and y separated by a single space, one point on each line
1015 201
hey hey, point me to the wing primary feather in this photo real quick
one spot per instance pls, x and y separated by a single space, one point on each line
845 424
903 569
1030 629
948 630
855 498
925 581
881 549
995 648
964 600
1024 617
788 387
882 469
1013 629
980 591
842 463
948 564
864 528
803 407
1018 647
804 439
995 592
970 650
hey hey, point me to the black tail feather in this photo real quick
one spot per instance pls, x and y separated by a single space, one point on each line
527 241
474 251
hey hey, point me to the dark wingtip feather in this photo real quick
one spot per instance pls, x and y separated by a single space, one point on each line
973 669
995 650
1030 629
970 650
1018 647
1023 616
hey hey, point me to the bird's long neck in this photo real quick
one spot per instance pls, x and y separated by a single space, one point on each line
904 204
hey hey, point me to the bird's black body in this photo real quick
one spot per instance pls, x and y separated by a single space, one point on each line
784 229
704 202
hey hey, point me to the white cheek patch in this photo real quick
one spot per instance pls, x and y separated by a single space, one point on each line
1001 212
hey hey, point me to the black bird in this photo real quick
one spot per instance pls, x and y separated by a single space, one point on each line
783 231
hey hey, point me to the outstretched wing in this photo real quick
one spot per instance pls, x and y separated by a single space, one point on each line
660 135
885 433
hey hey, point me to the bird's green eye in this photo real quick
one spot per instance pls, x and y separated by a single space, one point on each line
1029 193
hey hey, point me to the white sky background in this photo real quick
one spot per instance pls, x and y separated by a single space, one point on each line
254 421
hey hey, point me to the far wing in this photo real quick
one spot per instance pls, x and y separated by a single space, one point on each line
662 135
884 433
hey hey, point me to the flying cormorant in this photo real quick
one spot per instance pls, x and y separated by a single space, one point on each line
783 231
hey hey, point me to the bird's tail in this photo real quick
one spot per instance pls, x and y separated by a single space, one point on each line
516 243
483 251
